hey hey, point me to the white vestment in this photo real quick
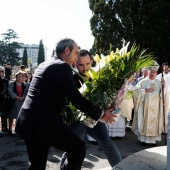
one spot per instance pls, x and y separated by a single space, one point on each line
117 129
148 118
159 76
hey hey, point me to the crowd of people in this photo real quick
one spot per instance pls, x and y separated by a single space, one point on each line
37 100
148 121
12 94
146 106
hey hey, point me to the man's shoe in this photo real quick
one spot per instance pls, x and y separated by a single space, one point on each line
10 133
64 162
129 123
5 130
143 144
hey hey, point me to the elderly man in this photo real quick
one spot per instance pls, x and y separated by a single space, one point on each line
148 120
40 121
144 74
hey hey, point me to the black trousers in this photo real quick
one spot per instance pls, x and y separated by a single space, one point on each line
4 122
62 138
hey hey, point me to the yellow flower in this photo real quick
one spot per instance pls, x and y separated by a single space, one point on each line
92 74
96 58
110 57
117 50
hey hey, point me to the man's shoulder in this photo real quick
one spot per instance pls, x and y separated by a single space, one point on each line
75 75
53 64
78 80
7 70
12 82
167 76
146 79
159 75
5 80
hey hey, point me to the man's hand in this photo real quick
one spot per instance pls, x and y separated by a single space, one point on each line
149 90
163 82
109 117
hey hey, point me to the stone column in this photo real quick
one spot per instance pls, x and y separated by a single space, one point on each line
168 144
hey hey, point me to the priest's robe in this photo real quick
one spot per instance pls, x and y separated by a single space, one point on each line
148 119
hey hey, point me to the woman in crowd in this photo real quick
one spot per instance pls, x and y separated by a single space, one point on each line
17 90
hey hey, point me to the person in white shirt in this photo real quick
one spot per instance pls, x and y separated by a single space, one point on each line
165 68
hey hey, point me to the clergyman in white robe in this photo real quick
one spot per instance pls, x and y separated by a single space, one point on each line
148 120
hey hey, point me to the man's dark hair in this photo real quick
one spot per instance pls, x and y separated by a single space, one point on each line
22 67
8 63
63 44
165 64
84 52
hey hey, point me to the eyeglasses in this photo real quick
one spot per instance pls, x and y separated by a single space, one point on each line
1 71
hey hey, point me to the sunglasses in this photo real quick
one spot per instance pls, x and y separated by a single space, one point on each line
1 71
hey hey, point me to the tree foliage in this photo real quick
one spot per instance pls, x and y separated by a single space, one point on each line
8 46
146 22
41 54
25 57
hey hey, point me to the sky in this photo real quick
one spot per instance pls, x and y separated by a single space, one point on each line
49 20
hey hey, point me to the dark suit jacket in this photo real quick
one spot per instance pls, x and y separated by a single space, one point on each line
78 80
51 84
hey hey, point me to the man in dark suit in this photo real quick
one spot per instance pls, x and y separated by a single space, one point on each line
40 122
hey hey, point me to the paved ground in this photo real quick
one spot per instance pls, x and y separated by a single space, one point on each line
13 155
148 159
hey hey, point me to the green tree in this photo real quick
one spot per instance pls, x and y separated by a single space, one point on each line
3 59
93 52
25 57
41 54
146 22
8 48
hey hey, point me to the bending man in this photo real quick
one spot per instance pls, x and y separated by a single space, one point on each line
40 121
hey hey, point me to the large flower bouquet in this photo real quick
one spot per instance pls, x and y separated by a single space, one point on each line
108 80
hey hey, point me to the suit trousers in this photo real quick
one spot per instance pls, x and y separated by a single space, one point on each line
63 139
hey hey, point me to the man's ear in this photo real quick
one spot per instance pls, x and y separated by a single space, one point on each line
67 51
91 62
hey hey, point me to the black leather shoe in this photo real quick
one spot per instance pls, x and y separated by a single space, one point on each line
9 133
